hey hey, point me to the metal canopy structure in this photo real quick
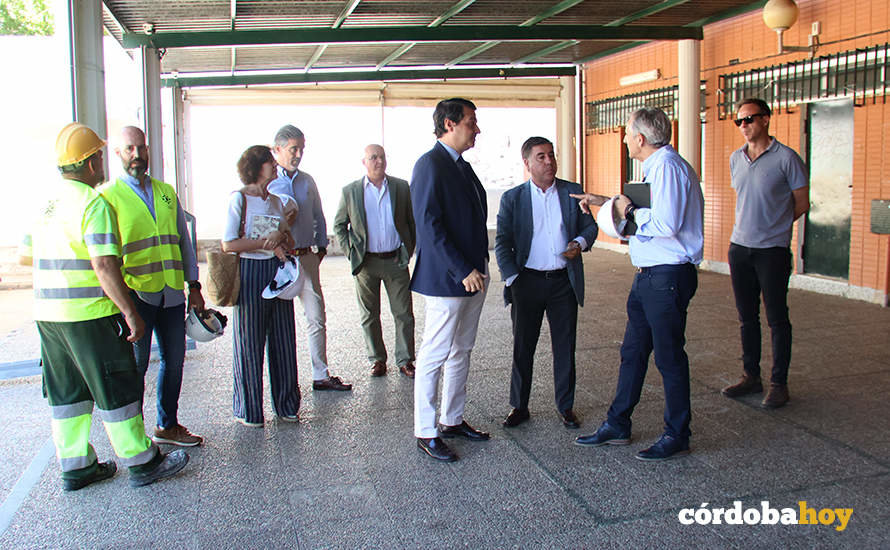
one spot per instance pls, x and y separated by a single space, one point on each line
238 42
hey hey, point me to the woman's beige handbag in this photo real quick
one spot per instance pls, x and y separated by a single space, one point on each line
224 270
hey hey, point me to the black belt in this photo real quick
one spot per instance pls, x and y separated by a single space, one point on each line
554 274
383 255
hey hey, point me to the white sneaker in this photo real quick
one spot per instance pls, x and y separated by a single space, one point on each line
248 424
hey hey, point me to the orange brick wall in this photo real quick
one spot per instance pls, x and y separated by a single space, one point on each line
746 38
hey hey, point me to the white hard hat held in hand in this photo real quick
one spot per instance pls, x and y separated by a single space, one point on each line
205 326
288 281
608 220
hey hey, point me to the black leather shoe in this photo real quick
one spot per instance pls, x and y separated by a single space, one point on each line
605 435
104 470
171 464
437 449
516 417
569 420
666 448
463 430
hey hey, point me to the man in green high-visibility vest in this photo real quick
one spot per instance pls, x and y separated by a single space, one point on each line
87 323
158 259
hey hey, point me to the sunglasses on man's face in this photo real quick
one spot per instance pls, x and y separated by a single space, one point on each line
747 120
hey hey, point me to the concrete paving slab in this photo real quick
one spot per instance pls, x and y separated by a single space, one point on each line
349 474
663 532
22 434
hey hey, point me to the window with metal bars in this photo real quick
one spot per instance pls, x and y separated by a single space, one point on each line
610 114
863 74
607 114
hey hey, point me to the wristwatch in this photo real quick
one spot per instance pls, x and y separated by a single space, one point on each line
194 285
629 212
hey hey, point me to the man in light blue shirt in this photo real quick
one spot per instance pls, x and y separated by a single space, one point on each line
666 249
309 230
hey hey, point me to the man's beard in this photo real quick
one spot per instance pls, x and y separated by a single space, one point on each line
137 170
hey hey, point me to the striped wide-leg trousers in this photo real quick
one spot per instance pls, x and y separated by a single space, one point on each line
261 325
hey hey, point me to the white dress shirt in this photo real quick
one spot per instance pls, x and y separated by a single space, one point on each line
548 234
549 239
382 234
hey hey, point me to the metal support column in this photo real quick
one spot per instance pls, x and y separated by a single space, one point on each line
565 128
151 102
689 117
580 127
183 184
87 64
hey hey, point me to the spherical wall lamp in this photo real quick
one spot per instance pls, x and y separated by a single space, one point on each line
780 15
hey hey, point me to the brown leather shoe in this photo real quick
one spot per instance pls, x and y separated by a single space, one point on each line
407 369
378 368
776 397
331 383
748 384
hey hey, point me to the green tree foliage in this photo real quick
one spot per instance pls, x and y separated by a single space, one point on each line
25 17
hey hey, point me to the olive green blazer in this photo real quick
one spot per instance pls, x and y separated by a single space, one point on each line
350 225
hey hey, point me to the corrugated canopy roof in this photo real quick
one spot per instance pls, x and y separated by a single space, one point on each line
257 41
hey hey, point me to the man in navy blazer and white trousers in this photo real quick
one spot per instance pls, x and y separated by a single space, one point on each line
540 237
451 271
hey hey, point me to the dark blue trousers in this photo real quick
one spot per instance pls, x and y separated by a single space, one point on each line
656 321
168 326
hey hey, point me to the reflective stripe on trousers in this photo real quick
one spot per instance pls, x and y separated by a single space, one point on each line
124 426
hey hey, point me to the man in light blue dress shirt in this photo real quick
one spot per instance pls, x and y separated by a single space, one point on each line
309 230
666 249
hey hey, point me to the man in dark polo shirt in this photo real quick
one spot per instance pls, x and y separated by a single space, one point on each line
772 189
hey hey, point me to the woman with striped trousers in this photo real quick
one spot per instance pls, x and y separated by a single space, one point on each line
260 323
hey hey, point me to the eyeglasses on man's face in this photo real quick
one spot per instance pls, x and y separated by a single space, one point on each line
747 120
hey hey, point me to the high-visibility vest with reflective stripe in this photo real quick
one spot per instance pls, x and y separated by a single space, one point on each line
66 289
150 247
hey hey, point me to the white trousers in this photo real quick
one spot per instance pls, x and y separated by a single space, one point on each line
448 338
313 308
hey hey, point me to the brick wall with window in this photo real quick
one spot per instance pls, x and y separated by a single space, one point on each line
744 43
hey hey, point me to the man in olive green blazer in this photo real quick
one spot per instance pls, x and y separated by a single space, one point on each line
375 228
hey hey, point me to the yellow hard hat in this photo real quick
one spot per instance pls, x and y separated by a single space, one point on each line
76 143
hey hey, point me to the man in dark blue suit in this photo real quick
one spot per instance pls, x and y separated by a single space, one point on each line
540 237
451 271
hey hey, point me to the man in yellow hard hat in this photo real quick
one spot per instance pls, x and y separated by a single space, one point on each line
87 323
158 259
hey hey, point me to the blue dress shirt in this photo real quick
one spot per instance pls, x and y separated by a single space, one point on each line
310 227
672 231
